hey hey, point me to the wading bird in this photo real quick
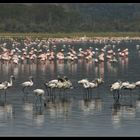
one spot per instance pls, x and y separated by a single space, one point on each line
3 86
10 83
115 88
39 95
27 84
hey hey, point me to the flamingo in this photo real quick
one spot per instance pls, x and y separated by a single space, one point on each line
59 84
101 57
10 83
27 84
88 85
67 83
113 60
137 84
3 86
51 85
116 87
124 84
83 81
130 86
99 80
93 84
63 83
39 94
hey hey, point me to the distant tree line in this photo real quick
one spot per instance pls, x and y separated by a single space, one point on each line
71 17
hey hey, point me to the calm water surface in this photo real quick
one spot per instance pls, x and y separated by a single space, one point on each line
75 114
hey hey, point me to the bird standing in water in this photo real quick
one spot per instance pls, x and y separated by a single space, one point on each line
39 94
27 84
3 86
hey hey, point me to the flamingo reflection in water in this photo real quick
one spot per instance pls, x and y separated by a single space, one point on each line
116 114
59 107
38 116
122 110
90 105
28 110
123 107
6 111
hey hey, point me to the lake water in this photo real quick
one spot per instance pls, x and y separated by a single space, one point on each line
75 114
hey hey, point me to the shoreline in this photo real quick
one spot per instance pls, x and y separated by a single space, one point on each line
83 36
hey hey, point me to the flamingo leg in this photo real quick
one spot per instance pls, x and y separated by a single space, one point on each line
88 92
5 95
35 100
113 94
47 91
91 93
131 94
40 100
54 91
118 94
23 89
50 93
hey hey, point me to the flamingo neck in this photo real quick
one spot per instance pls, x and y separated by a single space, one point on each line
11 81
31 81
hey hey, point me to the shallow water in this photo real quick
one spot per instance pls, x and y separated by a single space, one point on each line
74 113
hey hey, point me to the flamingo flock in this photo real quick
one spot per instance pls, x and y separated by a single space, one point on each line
89 84
48 50
118 87
40 51
63 83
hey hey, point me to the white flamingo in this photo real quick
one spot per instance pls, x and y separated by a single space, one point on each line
116 87
88 85
67 84
93 84
51 85
138 84
99 80
124 84
130 86
27 84
39 94
83 81
10 83
3 86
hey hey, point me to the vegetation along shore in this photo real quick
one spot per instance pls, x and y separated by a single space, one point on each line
77 35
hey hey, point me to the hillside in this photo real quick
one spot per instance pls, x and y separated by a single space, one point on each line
70 17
